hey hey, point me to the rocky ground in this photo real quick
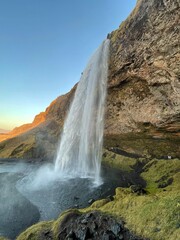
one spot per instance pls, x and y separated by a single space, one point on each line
92 225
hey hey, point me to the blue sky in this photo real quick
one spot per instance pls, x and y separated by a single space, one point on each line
44 47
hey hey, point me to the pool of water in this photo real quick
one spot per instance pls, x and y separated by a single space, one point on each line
31 192
54 195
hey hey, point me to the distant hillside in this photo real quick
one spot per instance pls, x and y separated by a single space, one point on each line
4 131
25 127
37 139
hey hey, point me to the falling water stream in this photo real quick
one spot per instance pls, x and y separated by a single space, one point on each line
32 192
36 191
80 148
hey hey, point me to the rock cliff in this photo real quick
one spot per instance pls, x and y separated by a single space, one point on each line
144 89
143 100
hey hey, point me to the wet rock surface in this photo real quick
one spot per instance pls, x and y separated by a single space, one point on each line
93 225
138 189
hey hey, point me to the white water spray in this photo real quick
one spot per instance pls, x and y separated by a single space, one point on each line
80 149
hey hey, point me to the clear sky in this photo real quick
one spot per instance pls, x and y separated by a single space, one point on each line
44 47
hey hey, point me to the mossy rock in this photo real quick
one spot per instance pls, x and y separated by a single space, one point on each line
114 160
161 172
57 225
154 215
38 231
145 143
99 203
46 230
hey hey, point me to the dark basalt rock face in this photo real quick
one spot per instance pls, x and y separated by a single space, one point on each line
93 225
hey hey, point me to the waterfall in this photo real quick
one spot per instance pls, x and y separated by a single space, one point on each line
80 149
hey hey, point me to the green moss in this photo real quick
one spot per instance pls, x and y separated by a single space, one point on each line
96 205
155 215
151 216
118 161
145 144
157 173
46 230
13 148
3 238
37 231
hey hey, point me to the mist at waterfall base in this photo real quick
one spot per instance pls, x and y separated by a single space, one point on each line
27 196
31 192
80 148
